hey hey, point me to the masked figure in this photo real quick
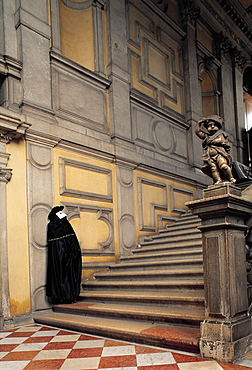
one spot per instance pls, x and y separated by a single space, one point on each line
64 259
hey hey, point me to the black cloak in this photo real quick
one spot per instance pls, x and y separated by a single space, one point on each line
64 260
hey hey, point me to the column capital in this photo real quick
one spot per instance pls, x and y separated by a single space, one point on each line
5 174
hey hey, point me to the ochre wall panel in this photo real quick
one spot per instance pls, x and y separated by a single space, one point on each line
76 32
155 60
17 232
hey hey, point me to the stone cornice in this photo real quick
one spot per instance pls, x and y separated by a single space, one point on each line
10 66
223 16
12 125
238 18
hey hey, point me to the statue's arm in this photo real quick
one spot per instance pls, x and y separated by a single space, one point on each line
198 129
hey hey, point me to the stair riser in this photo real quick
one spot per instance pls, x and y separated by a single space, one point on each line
181 226
168 265
174 239
173 249
131 315
143 277
176 232
157 257
144 300
147 289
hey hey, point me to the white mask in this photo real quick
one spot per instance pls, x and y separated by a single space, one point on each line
61 214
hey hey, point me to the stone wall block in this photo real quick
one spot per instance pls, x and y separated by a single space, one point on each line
40 197
125 193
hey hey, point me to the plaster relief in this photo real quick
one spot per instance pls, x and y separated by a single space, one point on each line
94 227
152 196
163 135
82 180
178 198
128 231
72 104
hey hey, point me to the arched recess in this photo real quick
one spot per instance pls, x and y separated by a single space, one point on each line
247 99
247 88
208 96
78 31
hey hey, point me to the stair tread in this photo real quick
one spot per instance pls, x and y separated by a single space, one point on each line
155 263
193 296
163 254
163 335
145 273
176 230
145 283
182 239
182 312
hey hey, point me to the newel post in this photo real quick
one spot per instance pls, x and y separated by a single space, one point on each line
226 331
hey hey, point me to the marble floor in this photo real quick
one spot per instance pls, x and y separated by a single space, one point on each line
35 347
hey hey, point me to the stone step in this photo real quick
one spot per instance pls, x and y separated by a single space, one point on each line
150 274
178 248
174 238
178 315
161 256
176 230
185 338
175 299
158 265
145 286
182 224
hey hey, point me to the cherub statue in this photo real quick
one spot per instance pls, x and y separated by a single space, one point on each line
216 149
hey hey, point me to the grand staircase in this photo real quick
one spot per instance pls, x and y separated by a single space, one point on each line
154 296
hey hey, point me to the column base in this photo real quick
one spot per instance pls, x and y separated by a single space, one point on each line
225 342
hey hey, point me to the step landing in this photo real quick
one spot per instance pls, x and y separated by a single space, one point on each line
184 338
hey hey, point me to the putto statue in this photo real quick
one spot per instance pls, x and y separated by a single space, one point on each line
216 149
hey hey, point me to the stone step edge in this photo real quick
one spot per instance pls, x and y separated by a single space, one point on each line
149 264
149 273
162 255
164 336
179 315
181 239
126 299
175 231
173 248
143 283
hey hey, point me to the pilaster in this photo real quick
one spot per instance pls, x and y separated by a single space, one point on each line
126 208
226 330
190 12
118 73
12 126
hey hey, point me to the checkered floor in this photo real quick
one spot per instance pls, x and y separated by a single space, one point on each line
35 347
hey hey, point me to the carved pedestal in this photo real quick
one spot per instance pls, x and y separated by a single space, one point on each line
226 331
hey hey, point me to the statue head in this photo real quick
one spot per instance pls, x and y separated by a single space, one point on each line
213 123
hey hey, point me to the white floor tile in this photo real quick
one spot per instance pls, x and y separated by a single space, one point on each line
13 365
119 351
4 334
81 363
65 338
13 340
45 333
30 347
52 354
204 365
147 359
120 368
2 354
89 343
